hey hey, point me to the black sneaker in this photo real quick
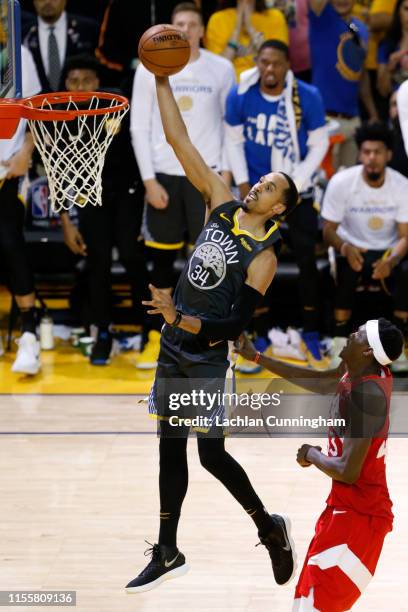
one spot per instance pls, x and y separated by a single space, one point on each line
166 563
281 549
102 349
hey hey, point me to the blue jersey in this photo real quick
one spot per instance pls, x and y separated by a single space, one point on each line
337 59
258 116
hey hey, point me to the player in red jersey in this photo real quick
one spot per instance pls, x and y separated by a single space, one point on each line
349 534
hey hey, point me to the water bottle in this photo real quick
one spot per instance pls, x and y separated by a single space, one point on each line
46 333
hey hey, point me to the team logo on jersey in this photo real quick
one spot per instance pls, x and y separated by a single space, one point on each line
375 223
207 267
185 103
350 56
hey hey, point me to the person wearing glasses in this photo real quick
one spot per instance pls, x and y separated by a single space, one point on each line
338 44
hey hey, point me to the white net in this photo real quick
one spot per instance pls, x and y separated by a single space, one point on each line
73 152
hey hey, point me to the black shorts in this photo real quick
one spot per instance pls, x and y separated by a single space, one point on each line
183 219
190 383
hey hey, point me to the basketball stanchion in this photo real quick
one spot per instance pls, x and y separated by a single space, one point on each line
72 132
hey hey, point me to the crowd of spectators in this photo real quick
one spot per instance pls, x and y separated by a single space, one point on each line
309 87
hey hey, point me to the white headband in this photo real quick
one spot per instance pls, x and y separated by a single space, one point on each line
373 337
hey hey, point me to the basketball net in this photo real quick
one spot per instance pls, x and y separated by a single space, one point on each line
73 152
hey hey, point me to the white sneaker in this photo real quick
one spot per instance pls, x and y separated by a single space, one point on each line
339 342
286 345
28 355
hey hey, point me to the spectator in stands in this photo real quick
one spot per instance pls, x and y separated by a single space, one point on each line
93 9
280 122
175 210
338 45
365 213
379 20
393 52
299 50
238 30
115 223
399 160
361 9
124 23
15 158
54 37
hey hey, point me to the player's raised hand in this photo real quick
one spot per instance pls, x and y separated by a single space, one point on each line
161 303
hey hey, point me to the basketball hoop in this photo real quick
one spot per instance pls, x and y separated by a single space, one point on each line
72 132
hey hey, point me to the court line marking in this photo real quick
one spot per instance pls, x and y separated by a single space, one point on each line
77 433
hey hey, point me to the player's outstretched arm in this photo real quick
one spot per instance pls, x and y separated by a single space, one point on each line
208 182
318 382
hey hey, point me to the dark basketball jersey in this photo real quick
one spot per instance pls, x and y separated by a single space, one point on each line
217 268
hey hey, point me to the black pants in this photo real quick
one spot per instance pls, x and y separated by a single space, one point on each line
117 222
301 234
13 248
348 280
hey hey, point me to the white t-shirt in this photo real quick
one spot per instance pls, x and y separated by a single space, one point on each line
368 217
31 86
402 104
200 89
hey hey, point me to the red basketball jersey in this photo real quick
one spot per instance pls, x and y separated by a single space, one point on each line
369 494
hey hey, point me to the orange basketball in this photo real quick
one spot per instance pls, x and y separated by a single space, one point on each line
164 50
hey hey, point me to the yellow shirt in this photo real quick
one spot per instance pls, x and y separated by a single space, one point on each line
361 9
377 6
221 25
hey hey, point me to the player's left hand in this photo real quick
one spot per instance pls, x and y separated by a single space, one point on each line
18 165
302 452
381 269
162 303
244 347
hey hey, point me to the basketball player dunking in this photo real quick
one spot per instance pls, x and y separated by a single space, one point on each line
229 271
349 535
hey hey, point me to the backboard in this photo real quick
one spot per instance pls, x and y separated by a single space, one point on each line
10 49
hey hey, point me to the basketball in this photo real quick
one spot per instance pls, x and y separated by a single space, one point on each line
164 50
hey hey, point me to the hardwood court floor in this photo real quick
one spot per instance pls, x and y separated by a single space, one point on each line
78 491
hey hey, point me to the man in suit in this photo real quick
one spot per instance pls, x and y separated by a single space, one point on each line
55 36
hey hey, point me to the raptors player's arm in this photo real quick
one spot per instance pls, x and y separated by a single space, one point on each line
323 382
366 413
208 182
